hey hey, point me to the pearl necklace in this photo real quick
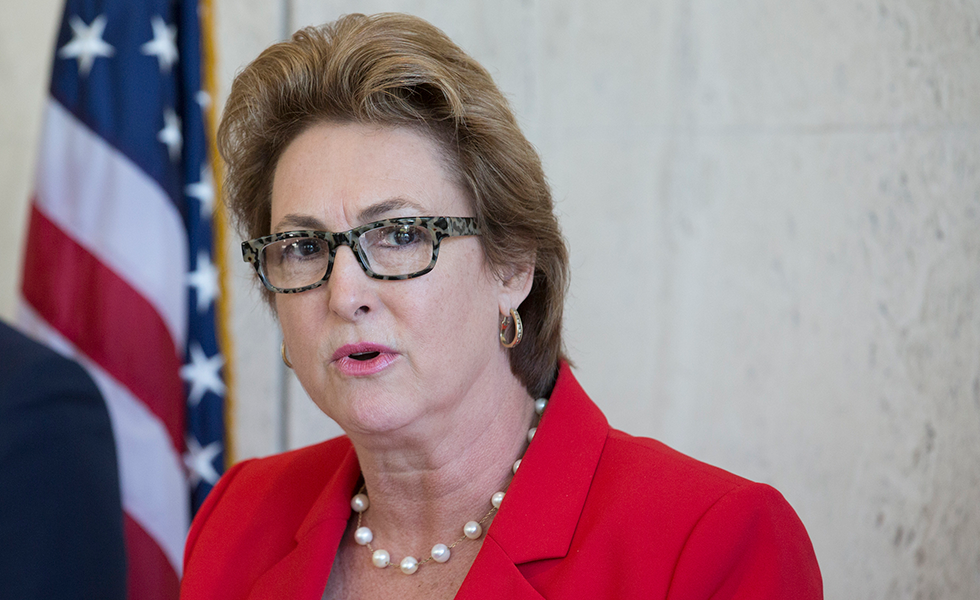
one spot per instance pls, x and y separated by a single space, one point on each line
440 552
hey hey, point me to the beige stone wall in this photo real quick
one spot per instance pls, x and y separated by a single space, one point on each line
774 215
27 33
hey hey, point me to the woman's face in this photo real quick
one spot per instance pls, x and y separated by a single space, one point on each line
383 356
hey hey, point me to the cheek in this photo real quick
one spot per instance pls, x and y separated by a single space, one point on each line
295 317
463 307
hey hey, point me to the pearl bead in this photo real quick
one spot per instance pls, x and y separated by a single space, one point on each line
530 434
440 553
409 565
472 530
359 503
381 558
539 405
496 499
516 464
363 536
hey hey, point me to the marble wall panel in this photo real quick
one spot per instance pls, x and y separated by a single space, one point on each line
27 36
243 29
817 64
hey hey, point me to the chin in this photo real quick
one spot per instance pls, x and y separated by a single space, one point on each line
371 414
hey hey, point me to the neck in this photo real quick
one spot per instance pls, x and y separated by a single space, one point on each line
425 484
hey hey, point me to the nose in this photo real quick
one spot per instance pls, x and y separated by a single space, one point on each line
350 290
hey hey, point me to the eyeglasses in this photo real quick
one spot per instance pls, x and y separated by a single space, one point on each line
402 248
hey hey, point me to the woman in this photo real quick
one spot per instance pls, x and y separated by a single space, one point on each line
403 229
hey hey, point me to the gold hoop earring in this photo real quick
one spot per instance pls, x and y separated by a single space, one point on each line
518 330
282 352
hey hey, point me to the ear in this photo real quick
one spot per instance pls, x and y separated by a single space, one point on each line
515 288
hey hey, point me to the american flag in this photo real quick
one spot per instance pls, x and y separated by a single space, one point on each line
119 270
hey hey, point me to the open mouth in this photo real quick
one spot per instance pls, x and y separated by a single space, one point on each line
363 359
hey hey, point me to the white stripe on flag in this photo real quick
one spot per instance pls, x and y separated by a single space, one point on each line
154 488
113 209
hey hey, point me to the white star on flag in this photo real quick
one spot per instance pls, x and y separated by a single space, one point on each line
205 280
200 461
86 43
203 190
203 99
203 374
170 134
163 45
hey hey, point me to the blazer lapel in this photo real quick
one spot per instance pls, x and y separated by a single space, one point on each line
302 574
494 575
545 499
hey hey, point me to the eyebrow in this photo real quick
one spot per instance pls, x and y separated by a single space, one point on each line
298 221
373 212
370 214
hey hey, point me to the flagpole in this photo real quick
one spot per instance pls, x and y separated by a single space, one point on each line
220 225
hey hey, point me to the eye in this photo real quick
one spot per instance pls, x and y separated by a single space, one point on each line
303 249
402 235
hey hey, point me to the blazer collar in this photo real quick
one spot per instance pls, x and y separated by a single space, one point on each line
543 505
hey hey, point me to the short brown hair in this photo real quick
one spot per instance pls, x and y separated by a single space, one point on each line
399 70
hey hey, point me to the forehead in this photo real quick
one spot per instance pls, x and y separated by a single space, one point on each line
346 174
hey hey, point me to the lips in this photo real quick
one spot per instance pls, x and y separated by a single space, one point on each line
359 360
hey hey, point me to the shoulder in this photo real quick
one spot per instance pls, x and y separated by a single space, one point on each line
254 516
652 465
292 480
49 401
644 472
658 486
719 530
31 372
271 496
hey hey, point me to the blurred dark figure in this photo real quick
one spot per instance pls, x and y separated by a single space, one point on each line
61 522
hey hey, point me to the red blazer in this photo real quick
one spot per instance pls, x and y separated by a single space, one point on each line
592 513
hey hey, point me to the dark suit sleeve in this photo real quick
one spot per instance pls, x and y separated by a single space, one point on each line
748 545
61 524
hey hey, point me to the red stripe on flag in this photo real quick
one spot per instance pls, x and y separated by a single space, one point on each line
150 576
105 318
